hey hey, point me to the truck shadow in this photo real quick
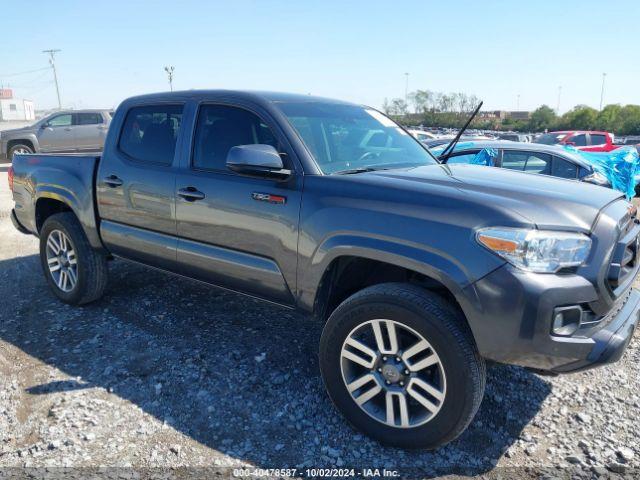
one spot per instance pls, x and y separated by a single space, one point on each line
234 374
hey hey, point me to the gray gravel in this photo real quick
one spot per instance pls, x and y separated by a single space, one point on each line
164 372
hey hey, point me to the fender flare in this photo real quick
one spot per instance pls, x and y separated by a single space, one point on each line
85 215
418 258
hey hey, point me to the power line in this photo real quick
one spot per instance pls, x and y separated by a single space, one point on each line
31 81
23 73
52 61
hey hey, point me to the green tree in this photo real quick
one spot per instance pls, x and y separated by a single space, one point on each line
542 118
580 117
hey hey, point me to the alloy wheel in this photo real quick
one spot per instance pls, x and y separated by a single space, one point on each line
61 260
393 373
20 151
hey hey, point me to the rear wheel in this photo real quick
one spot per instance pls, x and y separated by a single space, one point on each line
76 272
401 365
18 150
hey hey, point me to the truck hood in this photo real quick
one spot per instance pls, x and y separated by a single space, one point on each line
12 131
547 202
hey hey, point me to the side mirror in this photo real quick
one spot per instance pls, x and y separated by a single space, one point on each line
570 143
257 161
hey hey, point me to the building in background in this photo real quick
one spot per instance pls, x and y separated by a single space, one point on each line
15 109
504 114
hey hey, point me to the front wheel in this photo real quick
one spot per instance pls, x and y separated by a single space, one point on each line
19 150
401 365
76 273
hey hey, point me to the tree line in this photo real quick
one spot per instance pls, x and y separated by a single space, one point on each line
424 107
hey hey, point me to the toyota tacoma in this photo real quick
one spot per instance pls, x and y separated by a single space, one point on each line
420 271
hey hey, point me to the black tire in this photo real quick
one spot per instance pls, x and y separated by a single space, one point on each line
20 146
443 326
91 264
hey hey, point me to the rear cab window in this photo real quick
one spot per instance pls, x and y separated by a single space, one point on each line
150 132
579 140
598 139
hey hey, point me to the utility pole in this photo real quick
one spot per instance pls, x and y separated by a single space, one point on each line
559 93
406 87
604 75
52 61
169 71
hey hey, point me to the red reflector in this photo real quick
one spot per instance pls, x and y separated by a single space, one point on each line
10 177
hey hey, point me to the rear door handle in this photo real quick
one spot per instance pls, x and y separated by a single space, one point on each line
113 181
190 194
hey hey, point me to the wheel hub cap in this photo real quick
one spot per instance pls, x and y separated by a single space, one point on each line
391 373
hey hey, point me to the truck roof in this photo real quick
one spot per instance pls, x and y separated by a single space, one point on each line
255 95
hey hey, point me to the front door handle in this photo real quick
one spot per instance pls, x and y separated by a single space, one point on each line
112 181
190 194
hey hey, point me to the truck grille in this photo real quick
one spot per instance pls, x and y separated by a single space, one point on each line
624 261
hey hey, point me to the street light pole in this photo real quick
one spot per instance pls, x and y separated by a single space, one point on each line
559 93
604 75
52 61
406 87
169 71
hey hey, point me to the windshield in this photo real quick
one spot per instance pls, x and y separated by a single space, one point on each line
550 138
344 138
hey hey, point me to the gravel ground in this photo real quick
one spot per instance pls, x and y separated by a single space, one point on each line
164 373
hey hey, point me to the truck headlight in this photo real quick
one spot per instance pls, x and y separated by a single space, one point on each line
541 251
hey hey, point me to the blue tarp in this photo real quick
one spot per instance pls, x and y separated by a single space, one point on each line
485 157
620 166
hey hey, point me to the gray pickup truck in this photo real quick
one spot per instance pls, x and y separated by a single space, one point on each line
421 271
71 131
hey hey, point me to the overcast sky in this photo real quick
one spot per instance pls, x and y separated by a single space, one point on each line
352 50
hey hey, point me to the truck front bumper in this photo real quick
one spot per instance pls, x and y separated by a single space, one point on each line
512 321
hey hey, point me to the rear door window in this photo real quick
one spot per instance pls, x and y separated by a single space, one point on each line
150 132
597 139
88 119
531 162
564 169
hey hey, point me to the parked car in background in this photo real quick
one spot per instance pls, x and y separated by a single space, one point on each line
443 141
74 131
531 158
633 141
515 137
589 141
422 135
419 271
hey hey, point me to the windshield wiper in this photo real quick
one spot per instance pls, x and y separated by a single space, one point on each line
446 153
351 171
